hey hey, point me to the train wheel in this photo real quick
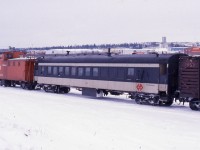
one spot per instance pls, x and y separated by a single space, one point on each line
30 86
105 93
57 89
138 100
153 101
45 89
23 85
6 83
66 90
195 105
168 103
14 84
33 86
1 83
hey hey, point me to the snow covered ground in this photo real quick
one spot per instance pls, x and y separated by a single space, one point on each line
35 120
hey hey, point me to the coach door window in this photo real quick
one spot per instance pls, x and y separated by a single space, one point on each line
120 73
112 73
130 73
95 72
87 71
49 69
163 69
104 73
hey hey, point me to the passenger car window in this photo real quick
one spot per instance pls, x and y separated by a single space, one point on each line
130 73
66 71
87 71
95 72
60 71
80 71
55 71
49 70
73 71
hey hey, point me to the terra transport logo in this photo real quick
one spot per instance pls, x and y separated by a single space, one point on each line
139 87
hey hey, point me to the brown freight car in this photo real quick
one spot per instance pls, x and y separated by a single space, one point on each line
189 81
15 69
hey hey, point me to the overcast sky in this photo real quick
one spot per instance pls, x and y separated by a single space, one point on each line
25 23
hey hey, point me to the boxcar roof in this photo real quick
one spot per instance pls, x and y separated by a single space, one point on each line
24 58
137 58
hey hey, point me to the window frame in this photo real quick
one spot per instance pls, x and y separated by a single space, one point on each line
73 71
88 71
80 71
95 74
130 73
49 70
60 70
67 71
55 71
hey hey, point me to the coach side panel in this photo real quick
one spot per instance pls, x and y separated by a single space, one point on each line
119 77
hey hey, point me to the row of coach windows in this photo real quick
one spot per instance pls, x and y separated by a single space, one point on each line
75 71
119 73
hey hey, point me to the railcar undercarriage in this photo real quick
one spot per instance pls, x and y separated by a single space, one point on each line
55 88
151 99
24 85
194 103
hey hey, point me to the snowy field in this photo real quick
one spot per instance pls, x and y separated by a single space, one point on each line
35 120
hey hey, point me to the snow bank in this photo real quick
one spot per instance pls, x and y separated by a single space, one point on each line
35 120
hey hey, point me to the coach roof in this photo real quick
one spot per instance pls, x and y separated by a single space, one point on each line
137 58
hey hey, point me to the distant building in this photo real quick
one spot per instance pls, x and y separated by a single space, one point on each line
164 43
178 49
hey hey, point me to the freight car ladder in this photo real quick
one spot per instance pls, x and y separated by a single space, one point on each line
189 77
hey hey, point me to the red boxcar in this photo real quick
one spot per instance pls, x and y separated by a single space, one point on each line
189 81
17 69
